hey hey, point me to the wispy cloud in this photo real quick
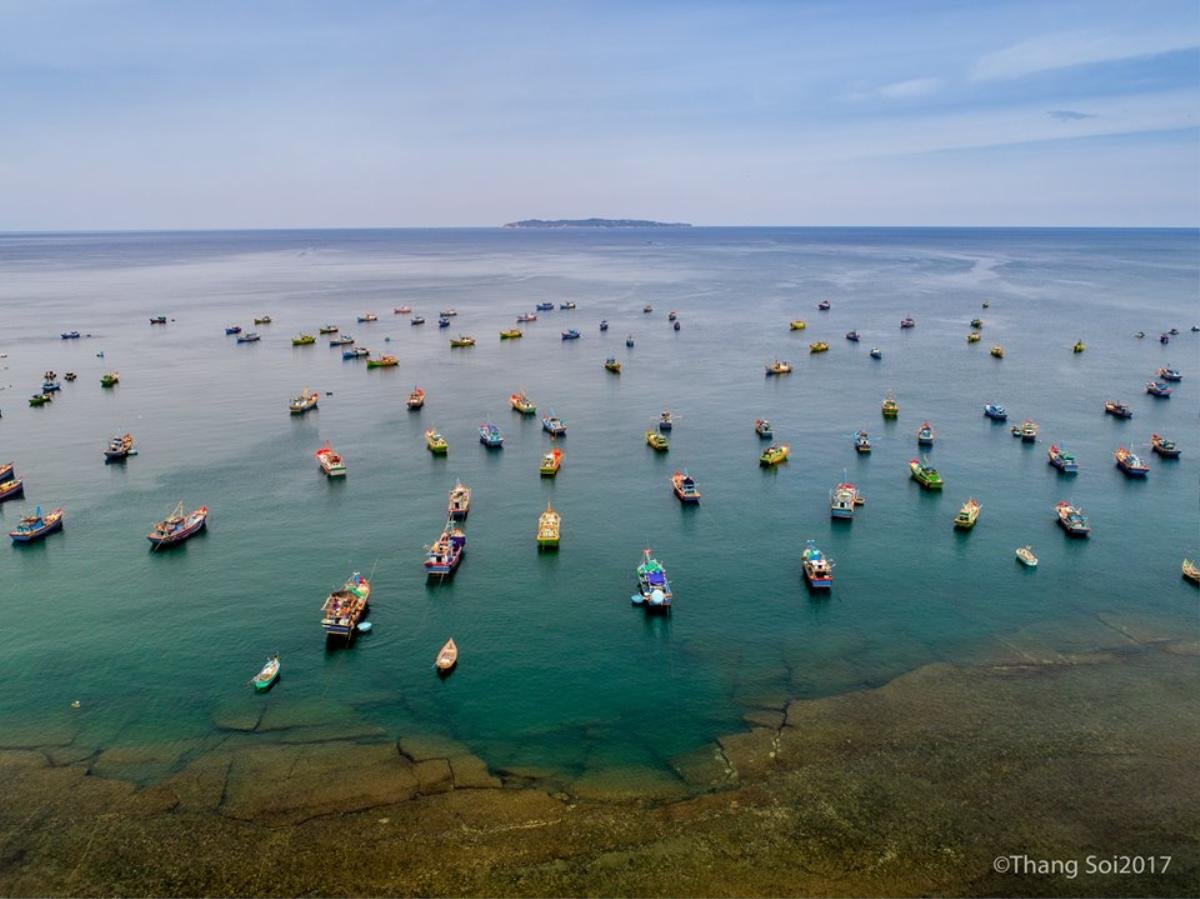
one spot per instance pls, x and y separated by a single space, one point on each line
900 90
1061 51
1070 115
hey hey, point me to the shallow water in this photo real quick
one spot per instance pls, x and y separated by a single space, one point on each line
557 670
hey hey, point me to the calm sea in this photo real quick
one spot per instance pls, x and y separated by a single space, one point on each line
557 669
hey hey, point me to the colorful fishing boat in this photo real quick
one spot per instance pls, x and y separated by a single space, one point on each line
551 463
853 336
368 317
685 488
762 427
521 402
234 329
797 324
417 320
402 310
1062 459
327 329
70 335
967 515
303 340
570 334
1166 373
462 341
553 425
665 421
331 462
119 448
656 441
383 362
356 352
526 317
459 504
435 442
549 528
908 322
774 454
925 434
511 334
177 526
653 588
1190 571
824 305
37 526
544 307
1072 520
611 364
40 399
110 379
1159 389
818 570
442 558
1130 463
1026 557
995 412
10 487
490 436
1117 410
889 407
778 367
1079 347
876 353
250 337
416 399
1161 445
447 658
974 337
345 608
818 346
862 442
263 320
1026 430
304 401
843 499
997 351
925 474
267 675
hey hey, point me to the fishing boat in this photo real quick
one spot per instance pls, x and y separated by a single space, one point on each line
1169 374
976 323
925 434
997 351
762 427
356 352
553 425
526 317
889 407
249 337
459 505
442 558
1164 338
629 341
570 334
449 313
1072 520
417 320
665 421
10 487
774 454
1079 347
510 334
685 488
447 658
1026 557
908 322
345 607
6 471
402 310
544 307
267 675
549 528
876 353
263 320
435 442
779 367
443 322
383 362
818 570
158 320
672 315
331 462
50 384
824 305
647 309
1117 410
611 364
462 341
1130 463
995 412
1159 389
818 346
327 329
656 441
177 526
70 335
551 463
40 399
797 324
676 325
304 401
119 448
1190 570
842 500
974 337
36 526
234 329
1026 430
967 515
604 324
862 443
521 402
654 590
110 379
70 376
1063 459
343 340
368 317
925 474
566 305
490 436
852 336
986 304
1161 445
416 399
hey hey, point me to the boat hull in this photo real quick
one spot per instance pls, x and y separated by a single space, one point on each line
39 534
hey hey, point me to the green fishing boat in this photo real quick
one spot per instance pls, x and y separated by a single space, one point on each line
109 379
925 475
657 441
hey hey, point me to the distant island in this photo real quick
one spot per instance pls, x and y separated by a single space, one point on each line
594 223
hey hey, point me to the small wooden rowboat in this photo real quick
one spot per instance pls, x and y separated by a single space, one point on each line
447 657
268 675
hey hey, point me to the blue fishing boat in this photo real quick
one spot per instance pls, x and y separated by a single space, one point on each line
566 305
1166 373
629 341
818 570
676 325
36 526
762 427
654 590
665 422
570 334
443 557
490 436
685 488
252 337
1063 459
862 443
356 352
343 340
1072 520
824 305
1159 389
544 307
995 412
235 329
70 335
443 322
1164 338
604 325
843 498
50 384
925 434
553 425
876 353
1130 463
852 336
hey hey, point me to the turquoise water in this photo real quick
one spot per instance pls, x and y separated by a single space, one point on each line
556 668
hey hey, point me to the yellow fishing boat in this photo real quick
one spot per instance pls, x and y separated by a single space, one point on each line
1079 347
774 454
798 324
521 402
819 346
889 406
612 365
551 463
657 441
511 334
967 515
436 443
548 529
303 340
383 362
997 351
462 340
974 337
779 367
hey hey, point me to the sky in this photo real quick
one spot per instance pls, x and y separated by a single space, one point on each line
121 114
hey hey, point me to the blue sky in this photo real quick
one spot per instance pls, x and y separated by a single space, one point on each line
121 114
